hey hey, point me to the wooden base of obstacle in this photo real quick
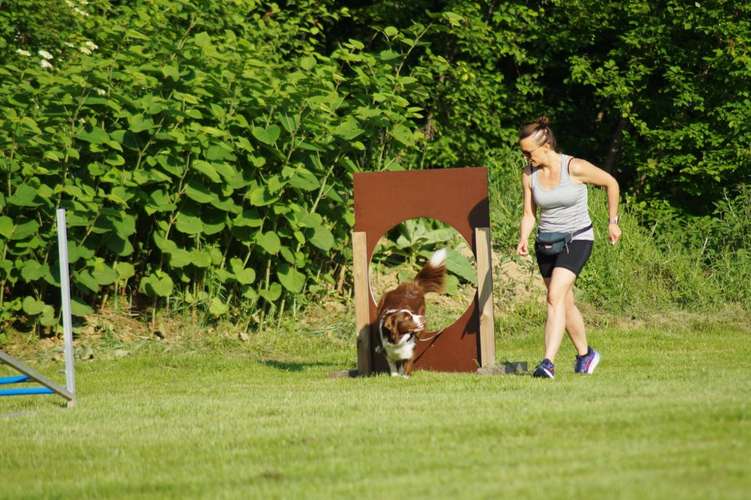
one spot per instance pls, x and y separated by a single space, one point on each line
458 197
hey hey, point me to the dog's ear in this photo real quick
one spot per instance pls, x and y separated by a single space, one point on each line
390 324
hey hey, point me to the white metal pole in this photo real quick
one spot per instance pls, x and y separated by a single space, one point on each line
62 245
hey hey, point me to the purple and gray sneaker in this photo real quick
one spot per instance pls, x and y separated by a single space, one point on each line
546 369
586 364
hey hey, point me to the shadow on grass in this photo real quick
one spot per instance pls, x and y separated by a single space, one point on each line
291 366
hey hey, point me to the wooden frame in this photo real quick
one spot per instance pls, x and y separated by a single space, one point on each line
457 197
362 296
485 296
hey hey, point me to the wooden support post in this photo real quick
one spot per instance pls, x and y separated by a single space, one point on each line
362 302
485 296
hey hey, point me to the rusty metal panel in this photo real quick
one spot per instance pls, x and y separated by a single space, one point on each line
455 196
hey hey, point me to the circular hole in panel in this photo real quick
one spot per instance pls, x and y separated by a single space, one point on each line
406 247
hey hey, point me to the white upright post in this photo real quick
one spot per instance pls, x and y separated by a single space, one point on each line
62 245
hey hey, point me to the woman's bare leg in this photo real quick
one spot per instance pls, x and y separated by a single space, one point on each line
560 285
574 322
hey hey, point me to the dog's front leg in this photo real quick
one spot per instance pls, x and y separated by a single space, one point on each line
392 368
400 364
409 365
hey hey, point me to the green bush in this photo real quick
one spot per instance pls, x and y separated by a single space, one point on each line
204 150
207 166
652 268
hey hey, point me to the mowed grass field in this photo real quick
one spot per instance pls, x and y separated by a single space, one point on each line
666 415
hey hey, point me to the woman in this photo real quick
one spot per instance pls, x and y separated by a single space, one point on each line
557 184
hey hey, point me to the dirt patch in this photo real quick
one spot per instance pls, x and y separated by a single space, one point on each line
515 280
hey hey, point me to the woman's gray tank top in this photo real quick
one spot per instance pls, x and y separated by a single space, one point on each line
564 208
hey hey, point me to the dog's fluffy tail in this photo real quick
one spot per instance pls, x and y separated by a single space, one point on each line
432 275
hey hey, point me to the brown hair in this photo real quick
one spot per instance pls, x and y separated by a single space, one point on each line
540 127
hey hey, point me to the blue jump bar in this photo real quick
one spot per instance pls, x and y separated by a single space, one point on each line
26 391
14 380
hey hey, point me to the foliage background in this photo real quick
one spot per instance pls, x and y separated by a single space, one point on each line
204 149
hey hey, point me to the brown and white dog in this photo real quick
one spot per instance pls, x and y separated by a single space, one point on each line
401 314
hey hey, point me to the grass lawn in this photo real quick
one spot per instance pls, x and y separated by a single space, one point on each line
667 414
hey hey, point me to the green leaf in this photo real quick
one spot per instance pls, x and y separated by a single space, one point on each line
137 123
103 274
94 136
304 179
348 129
33 271
460 265
322 238
388 55
402 134
273 293
307 63
86 279
119 246
180 258
48 317
269 241
171 71
206 169
188 98
159 201
213 223
200 258
231 175
454 20
199 192
287 122
220 152
261 196
292 279
6 226
122 223
157 284
188 224
32 306
267 135
124 270
203 40
217 307
275 184
241 274
24 196
288 255
162 243
452 284
79 308
248 218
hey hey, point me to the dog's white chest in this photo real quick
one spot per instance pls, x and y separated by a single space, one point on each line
401 351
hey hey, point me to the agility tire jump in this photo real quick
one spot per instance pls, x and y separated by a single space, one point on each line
457 197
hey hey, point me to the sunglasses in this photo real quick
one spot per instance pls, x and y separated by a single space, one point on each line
528 154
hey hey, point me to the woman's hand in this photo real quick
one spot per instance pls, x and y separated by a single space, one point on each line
522 248
614 233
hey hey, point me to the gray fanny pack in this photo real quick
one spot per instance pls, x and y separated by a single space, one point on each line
553 243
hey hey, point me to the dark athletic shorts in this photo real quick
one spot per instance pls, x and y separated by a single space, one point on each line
572 258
